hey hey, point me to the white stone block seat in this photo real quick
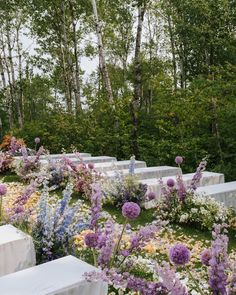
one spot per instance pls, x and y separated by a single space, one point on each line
16 250
208 178
118 165
223 192
99 159
62 276
150 172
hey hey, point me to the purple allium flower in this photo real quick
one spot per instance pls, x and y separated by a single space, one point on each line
91 166
170 182
130 210
37 140
151 196
179 160
91 240
179 254
3 189
19 209
205 256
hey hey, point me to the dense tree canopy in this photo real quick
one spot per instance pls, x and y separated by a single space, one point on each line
164 84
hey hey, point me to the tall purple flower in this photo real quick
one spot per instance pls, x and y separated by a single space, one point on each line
179 254
96 208
218 264
132 165
179 160
91 240
198 175
130 210
205 256
37 140
3 189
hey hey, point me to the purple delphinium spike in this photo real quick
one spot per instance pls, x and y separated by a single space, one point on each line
198 175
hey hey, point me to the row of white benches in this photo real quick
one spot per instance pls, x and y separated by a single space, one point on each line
20 276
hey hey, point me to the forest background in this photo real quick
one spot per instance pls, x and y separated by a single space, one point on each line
165 83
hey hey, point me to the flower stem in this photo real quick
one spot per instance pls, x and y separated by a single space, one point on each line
94 258
118 243
195 281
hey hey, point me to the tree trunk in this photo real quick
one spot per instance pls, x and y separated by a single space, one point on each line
172 42
66 58
102 61
76 72
14 88
135 103
20 88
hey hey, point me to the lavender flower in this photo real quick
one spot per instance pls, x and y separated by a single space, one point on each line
198 175
170 281
91 166
131 210
205 256
218 264
3 189
96 207
179 254
179 160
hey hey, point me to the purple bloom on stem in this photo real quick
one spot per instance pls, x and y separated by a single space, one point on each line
130 210
37 140
3 189
205 256
151 196
91 240
179 254
170 182
91 166
179 160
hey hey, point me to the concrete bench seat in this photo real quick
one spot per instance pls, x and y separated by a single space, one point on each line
56 156
150 172
16 250
62 276
223 192
118 165
208 178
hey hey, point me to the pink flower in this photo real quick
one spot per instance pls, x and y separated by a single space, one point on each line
37 140
3 189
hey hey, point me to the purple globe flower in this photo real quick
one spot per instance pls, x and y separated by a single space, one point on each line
151 196
37 140
206 256
3 189
91 166
179 254
130 210
91 240
170 182
179 160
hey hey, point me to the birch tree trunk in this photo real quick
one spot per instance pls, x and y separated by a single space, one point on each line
102 61
76 72
173 51
66 57
134 105
14 87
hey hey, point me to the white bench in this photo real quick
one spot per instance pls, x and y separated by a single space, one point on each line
223 192
149 172
16 250
63 276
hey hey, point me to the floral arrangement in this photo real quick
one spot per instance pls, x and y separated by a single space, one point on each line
115 257
181 204
123 188
56 224
28 164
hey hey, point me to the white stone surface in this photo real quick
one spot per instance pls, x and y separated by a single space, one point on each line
69 155
118 165
16 250
63 276
208 178
150 172
223 192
